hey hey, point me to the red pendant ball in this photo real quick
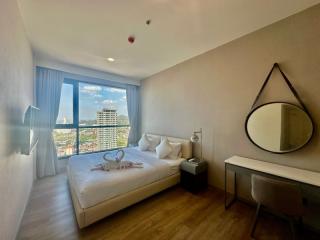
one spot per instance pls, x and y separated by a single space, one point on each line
131 39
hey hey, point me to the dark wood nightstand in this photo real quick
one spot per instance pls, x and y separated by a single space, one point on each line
194 176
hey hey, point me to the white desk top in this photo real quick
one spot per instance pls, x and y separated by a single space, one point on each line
292 173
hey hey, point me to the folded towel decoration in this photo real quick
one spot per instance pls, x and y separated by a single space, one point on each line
114 155
113 160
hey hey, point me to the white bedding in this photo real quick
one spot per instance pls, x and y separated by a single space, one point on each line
93 187
173 163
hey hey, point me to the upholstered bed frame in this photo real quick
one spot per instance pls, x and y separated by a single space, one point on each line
87 216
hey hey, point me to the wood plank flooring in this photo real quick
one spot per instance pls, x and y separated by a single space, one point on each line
172 214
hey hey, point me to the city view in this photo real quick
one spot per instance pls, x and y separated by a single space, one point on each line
92 139
98 106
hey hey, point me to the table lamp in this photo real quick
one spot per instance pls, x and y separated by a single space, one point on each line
195 138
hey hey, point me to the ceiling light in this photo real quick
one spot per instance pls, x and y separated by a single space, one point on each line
110 59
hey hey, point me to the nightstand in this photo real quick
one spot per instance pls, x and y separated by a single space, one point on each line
194 175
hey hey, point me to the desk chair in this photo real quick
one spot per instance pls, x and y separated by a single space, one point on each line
279 196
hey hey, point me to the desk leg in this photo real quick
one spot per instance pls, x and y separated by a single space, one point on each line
225 186
235 195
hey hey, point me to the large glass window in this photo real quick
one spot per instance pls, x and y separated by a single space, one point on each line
65 140
91 118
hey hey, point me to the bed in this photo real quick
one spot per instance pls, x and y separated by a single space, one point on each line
98 194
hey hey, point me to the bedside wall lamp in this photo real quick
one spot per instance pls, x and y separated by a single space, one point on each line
195 138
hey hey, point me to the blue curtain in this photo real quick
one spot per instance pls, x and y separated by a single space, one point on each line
48 91
133 103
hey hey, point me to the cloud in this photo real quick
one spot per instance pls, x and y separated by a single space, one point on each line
123 99
108 101
91 89
116 90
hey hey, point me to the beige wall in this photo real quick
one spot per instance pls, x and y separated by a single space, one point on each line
215 91
16 93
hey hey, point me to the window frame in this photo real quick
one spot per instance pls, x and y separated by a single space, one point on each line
75 125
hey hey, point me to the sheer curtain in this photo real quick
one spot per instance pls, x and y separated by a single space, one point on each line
48 91
133 103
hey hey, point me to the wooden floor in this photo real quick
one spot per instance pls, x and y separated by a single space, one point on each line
172 214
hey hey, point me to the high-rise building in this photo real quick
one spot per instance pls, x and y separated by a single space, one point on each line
65 121
107 137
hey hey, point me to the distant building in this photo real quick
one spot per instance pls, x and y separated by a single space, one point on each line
107 137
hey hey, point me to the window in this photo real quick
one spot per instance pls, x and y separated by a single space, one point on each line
91 118
65 140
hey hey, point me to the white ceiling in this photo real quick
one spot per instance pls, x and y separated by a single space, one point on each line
87 32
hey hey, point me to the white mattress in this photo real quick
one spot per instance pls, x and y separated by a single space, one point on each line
93 187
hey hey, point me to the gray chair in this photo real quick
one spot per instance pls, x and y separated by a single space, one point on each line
276 195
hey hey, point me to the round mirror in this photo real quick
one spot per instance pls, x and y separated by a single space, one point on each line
279 127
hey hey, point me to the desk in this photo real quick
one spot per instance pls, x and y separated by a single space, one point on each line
308 180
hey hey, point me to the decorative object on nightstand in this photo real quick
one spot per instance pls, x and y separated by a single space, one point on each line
194 174
195 138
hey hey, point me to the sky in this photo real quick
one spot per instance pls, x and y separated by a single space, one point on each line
92 98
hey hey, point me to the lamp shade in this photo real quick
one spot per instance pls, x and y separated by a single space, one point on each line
194 138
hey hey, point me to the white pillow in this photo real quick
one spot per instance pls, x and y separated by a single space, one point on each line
144 143
163 149
176 150
154 142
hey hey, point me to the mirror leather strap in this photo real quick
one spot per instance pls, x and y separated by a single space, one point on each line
295 93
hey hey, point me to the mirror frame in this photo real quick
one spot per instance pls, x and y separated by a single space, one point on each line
256 108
